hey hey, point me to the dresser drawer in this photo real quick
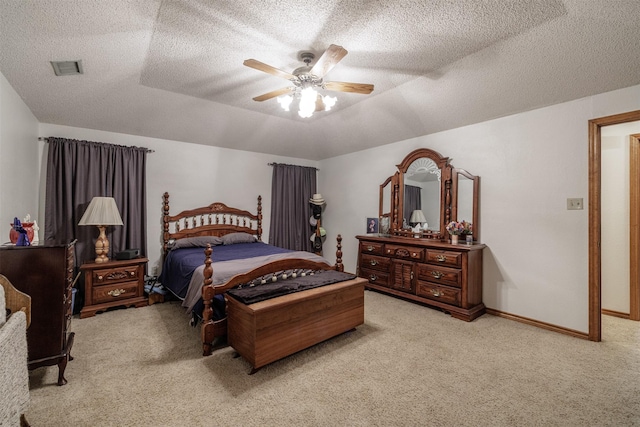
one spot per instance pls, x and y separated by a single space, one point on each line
404 252
439 274
115 275
375 262
439 293
371 248
375 277
453 259
114 292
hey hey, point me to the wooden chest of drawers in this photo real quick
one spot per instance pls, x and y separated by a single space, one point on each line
113 284
432 272
46 273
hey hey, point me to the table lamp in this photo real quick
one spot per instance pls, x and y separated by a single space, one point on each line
417 217
102 212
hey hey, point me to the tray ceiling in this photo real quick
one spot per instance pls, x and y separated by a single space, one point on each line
173 69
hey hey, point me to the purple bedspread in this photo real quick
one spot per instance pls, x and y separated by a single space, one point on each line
180 264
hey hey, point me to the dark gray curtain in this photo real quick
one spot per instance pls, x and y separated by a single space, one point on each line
291 188
412 200
79 170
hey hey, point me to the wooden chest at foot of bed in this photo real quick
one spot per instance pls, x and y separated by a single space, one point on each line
269 330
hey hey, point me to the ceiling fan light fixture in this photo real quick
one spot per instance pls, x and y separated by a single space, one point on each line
307 79
329 101
307 104
285 101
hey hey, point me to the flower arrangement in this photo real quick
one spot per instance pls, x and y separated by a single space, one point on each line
457 228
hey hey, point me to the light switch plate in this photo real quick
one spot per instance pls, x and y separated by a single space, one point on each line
574 204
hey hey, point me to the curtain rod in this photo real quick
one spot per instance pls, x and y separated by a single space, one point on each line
40 138
286 164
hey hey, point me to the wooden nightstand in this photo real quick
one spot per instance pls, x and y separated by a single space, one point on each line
113 284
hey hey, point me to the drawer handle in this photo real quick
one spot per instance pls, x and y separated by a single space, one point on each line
132 273
437 274
414 254
370 248
99 277
441 258
373 278
373 262
116 292
436 293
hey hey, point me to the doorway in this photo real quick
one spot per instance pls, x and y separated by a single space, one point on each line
595 221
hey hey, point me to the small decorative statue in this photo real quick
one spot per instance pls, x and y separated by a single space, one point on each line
35 227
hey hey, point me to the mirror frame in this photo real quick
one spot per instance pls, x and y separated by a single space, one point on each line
381 212
445 191
393 201
475 219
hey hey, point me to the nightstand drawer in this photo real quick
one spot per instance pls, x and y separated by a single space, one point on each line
115 275
115 292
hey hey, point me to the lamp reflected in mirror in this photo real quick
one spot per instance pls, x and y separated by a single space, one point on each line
417 217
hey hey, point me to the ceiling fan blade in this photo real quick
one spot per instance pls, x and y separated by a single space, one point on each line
261 66
328 60
362 88
273 94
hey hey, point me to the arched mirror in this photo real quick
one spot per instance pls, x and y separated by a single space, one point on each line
428 189
424 192
466 188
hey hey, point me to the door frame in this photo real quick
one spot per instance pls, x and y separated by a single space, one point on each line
595 216
634 227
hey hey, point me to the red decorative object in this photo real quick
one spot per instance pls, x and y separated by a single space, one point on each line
13 234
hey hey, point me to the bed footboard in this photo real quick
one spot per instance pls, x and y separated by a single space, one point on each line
212 329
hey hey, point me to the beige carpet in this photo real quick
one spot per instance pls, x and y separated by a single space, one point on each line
408 365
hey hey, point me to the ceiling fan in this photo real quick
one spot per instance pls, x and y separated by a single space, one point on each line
307 79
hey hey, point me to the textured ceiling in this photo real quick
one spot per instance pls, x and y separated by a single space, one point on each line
173 69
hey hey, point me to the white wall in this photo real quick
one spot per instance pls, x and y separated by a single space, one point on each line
193 175
536 261
19 171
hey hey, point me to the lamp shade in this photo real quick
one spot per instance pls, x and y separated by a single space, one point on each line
417 216
101 211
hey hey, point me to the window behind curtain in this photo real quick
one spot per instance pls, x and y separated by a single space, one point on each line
79 170
291 188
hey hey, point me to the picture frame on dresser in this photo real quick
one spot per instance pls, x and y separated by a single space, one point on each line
372 225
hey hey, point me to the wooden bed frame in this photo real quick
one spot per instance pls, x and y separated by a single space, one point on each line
217 219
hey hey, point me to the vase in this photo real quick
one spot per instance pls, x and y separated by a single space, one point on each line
454 239
14 234
469 239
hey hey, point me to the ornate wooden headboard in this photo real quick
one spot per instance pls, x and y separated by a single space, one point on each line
217 219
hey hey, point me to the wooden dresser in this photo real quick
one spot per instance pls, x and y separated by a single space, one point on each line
113 284
428 271
44 272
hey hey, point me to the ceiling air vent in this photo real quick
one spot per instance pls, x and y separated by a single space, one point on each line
67 68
